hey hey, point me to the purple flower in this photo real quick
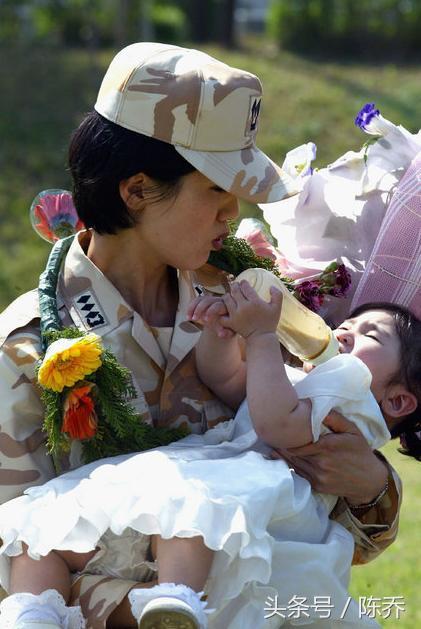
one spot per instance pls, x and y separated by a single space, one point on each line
309 293
342 282
366 114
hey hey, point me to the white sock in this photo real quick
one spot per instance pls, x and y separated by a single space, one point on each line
141 596
49 607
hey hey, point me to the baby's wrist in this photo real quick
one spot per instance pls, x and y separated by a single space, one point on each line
259 337
219 334
209 331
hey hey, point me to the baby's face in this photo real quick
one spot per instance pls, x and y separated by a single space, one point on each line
372 337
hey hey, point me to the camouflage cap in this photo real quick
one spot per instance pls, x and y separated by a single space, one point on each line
206 109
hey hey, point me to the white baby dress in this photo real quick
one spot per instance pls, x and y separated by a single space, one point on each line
276 546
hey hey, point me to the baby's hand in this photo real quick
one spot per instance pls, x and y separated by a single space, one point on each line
212 313
249 315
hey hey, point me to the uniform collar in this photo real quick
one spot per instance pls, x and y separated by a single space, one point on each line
93 301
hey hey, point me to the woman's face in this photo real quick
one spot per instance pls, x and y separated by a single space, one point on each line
184 228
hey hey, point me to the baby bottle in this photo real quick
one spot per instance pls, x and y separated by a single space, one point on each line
301 331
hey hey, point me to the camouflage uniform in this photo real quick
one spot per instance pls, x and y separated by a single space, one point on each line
169 392
209 112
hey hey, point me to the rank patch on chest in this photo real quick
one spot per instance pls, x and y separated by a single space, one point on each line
89 310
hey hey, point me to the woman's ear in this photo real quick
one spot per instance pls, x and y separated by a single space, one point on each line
398 401
132 191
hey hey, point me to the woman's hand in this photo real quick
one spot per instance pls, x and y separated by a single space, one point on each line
340 463
211 312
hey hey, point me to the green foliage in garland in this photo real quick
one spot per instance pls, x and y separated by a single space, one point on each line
121 429
236 256
138 437
57 441
64 333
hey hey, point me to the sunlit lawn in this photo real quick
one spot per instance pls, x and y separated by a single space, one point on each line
397 571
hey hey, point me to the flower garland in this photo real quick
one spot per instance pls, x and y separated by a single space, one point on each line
85 391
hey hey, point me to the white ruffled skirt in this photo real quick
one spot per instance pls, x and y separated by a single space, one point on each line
277 553
279 559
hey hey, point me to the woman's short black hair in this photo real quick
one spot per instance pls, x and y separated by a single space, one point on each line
101 155
408 329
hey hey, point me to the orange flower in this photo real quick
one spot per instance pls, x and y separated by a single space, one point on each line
80 420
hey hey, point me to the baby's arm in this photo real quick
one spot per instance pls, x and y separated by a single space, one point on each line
279 417
219 355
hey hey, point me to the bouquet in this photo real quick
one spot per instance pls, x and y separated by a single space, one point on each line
340 210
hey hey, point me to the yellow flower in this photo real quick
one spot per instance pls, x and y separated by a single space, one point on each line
67 361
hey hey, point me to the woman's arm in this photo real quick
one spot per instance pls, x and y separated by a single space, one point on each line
340 463
376 527
23 457
343 464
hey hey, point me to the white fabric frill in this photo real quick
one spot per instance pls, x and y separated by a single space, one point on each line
49 602
273 537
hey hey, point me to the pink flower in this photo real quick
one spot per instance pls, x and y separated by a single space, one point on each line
53 215
253 232
260 245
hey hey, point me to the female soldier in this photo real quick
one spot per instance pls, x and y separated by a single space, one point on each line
157 169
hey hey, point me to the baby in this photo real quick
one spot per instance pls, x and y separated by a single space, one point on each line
222 515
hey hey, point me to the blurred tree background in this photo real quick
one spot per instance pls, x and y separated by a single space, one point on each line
377 28
102 23
319 61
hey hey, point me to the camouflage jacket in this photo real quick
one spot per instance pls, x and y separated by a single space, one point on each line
169 392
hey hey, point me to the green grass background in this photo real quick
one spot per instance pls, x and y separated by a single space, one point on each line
44 94
397 571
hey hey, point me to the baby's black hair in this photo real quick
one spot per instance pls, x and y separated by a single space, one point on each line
408 329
